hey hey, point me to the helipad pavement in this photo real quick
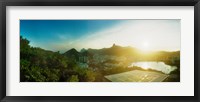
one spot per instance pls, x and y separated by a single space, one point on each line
137 76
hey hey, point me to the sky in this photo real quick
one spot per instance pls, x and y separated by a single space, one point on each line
62 35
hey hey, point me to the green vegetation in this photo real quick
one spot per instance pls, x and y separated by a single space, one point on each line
39 65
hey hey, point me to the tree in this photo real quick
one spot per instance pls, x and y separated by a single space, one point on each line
73 78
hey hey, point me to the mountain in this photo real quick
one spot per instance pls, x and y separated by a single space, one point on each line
130 53
115 50
72 54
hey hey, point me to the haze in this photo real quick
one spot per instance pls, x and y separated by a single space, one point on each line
62 35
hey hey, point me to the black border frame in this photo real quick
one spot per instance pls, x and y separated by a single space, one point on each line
4 3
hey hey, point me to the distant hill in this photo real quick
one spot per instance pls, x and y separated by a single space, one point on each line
115 50
72 54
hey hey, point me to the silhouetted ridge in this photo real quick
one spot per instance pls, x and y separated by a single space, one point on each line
115 50
72 53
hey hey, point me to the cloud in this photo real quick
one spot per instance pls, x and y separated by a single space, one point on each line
159 34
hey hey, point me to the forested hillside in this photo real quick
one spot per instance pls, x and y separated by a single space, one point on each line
91 65
38 65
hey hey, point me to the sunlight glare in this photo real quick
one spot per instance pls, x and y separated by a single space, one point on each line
145 66
145 47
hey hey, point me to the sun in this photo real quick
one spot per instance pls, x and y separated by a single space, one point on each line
146 44
145 47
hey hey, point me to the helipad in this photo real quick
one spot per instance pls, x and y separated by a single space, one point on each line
137 76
